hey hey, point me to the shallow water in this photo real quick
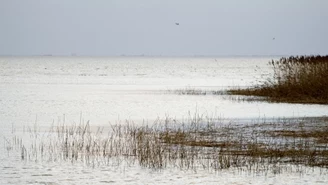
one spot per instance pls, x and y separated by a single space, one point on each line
78 174
43 89
46 90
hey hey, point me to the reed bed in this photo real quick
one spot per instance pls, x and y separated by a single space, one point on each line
197 143
300 79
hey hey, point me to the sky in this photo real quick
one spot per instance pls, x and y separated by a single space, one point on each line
148 27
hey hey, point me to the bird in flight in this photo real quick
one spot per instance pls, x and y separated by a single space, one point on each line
177 23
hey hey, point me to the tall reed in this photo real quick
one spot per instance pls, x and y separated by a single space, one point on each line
302 79
198 142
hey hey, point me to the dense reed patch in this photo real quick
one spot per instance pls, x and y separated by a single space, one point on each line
300 79
192 144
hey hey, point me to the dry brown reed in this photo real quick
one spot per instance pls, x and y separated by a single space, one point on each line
196 143
300 79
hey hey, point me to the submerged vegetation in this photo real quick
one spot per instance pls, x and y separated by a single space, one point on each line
300 79
192 144
194 91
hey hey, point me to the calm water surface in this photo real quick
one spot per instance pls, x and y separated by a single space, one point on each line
44 90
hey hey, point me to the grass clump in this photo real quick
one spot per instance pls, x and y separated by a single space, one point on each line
192 144
300 79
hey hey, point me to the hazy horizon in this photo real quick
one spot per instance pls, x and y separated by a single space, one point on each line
209 56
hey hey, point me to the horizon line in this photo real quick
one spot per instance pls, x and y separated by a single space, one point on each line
143 55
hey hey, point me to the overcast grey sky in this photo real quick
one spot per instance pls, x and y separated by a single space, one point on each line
134 27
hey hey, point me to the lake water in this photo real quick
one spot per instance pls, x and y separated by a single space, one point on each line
46 89
43 89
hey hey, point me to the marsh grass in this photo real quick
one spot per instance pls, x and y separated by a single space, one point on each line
195 91
196 143
300 79
224 94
